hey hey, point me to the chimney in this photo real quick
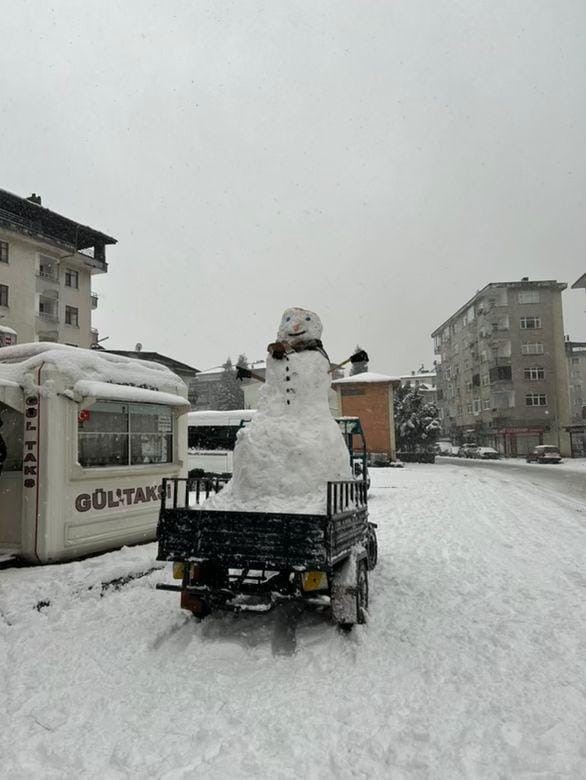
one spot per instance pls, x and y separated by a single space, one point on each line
34 198
525 279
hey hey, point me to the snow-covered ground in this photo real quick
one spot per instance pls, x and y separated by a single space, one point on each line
473 663
568 464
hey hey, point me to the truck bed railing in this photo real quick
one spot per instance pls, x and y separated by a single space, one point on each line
346 496
181 493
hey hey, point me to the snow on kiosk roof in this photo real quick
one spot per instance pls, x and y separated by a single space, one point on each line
85 372
366 377
89 437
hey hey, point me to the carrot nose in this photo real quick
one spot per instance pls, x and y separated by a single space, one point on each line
296 327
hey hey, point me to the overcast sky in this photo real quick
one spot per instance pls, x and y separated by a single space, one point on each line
377 162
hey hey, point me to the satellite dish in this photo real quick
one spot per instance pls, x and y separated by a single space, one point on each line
138 347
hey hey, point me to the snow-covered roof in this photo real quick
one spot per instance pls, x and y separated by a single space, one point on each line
214 370
6 329
367 377
87 370
217 414
425 375
107 390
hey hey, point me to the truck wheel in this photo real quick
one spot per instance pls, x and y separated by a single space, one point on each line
360 596
203 611
361 593
371 550
198 607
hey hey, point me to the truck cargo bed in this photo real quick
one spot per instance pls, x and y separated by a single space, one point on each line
263 540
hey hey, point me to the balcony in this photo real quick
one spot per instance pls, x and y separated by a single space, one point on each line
48 316
94 259
48 275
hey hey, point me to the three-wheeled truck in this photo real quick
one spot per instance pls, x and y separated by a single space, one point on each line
235 560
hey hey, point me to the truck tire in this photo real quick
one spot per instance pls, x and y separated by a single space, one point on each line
361 598
371 549
362 593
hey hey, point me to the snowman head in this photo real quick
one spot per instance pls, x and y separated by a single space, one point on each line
298 325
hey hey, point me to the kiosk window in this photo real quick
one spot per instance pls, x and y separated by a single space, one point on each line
11 432
117 434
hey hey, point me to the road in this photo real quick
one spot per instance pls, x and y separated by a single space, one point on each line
472 664
571 484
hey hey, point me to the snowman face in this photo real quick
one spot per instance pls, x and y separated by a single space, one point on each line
299 325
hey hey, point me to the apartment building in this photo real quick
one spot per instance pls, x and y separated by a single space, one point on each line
47 262
424 380
576 362
502 377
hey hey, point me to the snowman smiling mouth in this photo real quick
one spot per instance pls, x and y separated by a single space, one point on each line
301 333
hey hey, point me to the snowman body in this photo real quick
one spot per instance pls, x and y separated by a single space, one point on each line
285 457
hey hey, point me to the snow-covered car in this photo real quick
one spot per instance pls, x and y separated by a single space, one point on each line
466 450
485 453
544 453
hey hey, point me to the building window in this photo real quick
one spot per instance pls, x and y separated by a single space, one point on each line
530 323
72 278
486 403
476 406
3 295
501 374
72 316
469 408
48 268
485 380
3 251
535 399
529 296
535 348
534 373
110 433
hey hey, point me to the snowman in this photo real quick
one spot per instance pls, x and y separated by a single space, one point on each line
284 458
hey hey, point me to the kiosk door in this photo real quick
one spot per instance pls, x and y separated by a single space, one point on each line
11 481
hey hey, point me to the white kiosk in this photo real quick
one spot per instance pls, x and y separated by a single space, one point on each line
89 437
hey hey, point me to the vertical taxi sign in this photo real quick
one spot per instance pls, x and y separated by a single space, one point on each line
30 470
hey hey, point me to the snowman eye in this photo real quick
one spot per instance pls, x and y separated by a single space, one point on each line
308 319
287 319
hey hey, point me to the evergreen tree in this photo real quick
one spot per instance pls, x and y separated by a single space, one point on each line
417 424
358 368
229 394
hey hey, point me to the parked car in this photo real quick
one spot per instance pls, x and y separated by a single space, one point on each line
544 453
485 453
465 451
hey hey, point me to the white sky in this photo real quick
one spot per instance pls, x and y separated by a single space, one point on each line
377 162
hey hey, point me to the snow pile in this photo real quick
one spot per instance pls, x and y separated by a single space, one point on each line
19 363
284 458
